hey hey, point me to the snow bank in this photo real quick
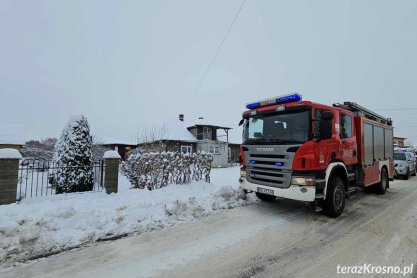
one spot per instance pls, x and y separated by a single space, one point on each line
38 227
10 153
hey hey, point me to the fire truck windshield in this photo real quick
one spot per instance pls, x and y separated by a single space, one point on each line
286 127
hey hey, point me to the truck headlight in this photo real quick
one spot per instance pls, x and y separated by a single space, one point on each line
303 181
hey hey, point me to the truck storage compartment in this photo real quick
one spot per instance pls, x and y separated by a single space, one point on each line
376 143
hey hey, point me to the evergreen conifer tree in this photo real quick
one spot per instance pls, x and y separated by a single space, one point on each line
73 158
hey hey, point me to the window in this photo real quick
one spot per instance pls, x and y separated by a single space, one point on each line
186 149
287 127
214 149
345 126
207 133
400 156
229 154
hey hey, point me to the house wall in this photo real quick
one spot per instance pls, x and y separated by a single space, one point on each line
235 153
219 160
194 131
175 146
155 147
198 132
166 146
399 141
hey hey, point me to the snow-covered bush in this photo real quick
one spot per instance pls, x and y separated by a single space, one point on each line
39 149
156 170
73 159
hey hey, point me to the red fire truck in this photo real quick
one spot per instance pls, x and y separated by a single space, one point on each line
315 153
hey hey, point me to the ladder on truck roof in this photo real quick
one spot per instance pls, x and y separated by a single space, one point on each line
362 111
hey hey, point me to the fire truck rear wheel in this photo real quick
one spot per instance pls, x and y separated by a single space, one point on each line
265 197
383 184
335 198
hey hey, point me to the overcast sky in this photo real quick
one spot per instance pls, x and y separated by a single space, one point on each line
128 64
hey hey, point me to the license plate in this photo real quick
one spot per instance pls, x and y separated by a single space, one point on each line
266 191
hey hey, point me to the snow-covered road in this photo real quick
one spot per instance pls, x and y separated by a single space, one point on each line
283 238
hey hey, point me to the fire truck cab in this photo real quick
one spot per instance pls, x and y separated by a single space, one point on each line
312 152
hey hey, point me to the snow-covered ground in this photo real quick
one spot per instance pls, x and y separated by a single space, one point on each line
37 227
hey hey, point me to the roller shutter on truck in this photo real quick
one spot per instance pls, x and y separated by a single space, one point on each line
378 143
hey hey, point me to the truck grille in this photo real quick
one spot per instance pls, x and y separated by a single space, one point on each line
271 169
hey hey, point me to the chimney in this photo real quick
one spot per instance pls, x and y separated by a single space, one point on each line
181 117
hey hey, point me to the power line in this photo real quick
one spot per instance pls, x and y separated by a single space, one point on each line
203 78
396 109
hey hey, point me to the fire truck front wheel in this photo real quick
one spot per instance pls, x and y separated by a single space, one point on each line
265 197
335 197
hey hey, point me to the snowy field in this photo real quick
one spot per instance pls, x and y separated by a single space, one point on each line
41 226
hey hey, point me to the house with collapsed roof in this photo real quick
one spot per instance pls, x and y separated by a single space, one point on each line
201 136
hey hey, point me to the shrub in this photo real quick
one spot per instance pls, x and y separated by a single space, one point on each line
156 170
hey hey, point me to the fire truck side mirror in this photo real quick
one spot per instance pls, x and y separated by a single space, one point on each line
241 122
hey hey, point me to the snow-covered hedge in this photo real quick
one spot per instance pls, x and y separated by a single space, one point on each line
156 170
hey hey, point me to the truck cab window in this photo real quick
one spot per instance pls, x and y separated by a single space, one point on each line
287 127
255 129
345 126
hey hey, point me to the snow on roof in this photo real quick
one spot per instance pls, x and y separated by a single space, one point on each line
176 130
11 134
10 153
106 140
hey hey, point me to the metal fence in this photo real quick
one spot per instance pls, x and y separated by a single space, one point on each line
34 177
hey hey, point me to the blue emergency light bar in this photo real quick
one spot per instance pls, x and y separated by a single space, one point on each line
276 100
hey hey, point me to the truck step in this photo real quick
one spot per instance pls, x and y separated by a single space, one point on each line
318 209
351 190
351 177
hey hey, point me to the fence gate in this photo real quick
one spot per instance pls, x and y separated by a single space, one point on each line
34 177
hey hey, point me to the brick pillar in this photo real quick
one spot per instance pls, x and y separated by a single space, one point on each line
9 173
111 176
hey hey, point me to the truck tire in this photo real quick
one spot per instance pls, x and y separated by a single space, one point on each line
335 198
265 197
383 184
